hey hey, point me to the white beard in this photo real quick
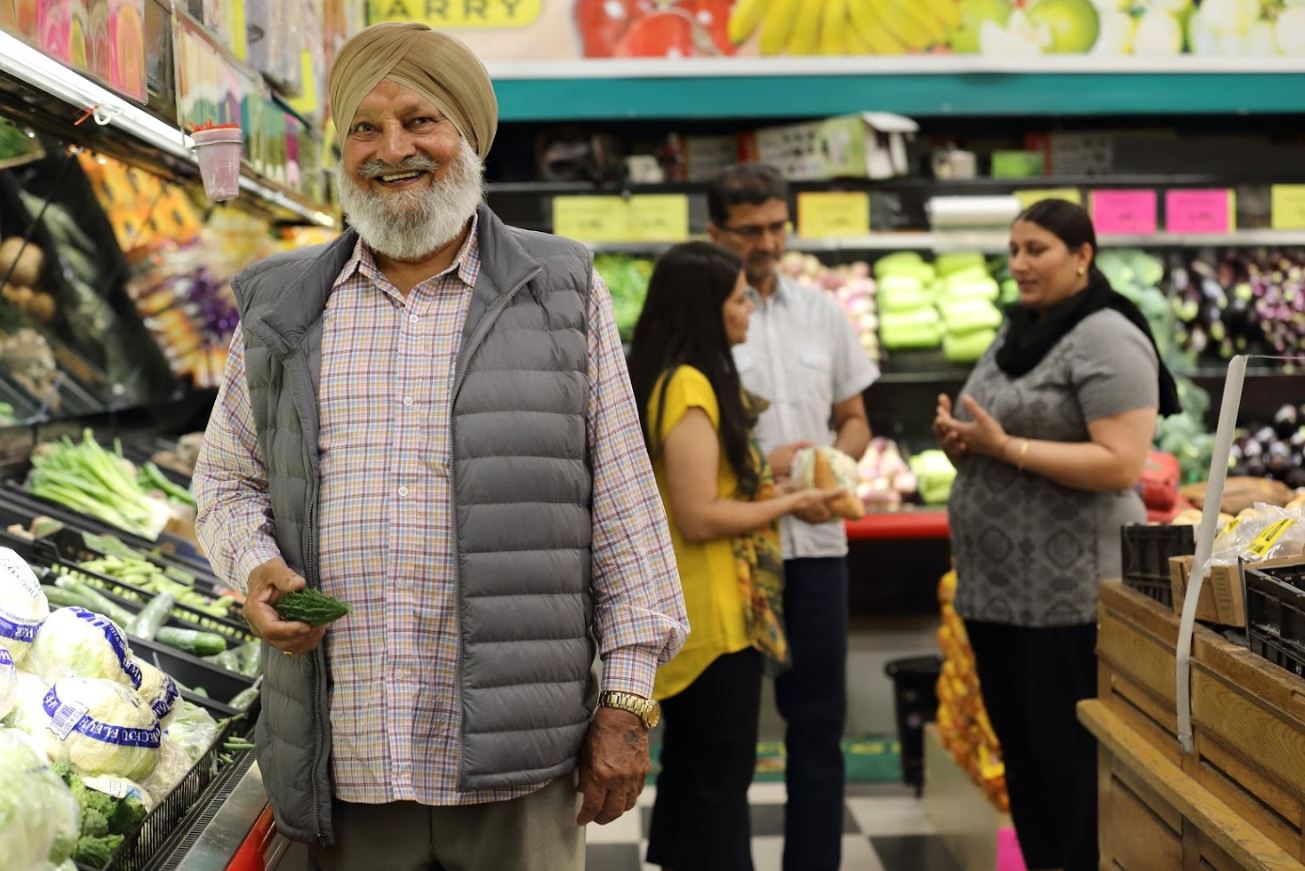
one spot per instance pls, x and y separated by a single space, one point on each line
410 225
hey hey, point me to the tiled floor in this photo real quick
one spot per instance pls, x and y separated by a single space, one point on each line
884 829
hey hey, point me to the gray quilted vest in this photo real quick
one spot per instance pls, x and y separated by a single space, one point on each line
521 488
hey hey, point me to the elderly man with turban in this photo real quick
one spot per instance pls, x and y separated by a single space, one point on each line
430 419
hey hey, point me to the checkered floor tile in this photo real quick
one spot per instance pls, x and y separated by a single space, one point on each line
884 829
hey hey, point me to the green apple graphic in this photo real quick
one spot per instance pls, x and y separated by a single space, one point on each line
965 39
1074 24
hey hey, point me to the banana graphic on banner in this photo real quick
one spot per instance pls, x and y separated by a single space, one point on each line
842 27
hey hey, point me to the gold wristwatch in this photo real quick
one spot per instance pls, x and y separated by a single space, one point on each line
648 711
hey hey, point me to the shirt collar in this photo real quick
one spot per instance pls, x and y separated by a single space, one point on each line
363 261
783 291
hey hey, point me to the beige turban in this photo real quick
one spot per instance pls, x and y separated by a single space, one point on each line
439 67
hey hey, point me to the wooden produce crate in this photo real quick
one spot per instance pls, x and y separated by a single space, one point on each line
1237 800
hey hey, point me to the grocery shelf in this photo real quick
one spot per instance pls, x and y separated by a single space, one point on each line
923 86
907 523
39 90
991 241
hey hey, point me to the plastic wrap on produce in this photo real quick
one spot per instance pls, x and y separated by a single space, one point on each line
39 817
8 683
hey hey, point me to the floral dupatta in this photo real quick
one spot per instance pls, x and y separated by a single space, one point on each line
759 559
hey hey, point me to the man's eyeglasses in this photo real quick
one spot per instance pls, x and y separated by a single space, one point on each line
756 231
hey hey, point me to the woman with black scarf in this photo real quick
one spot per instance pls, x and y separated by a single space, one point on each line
1052 432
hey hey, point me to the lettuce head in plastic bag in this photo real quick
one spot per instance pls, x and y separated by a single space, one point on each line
826 467
39 817
23 607
98 727
159 692
74 642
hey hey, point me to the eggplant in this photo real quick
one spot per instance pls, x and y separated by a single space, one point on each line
1286 422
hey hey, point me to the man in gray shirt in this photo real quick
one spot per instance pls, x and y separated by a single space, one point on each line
804 357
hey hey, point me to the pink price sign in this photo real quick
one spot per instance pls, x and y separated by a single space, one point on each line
1118 213
1199 211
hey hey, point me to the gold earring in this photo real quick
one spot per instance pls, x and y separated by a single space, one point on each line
1082 271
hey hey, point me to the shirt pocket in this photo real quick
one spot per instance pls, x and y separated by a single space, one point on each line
813 376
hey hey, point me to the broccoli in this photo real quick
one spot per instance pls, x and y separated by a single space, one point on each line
96 851
126 816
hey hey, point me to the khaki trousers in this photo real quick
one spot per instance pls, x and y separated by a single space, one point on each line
536 832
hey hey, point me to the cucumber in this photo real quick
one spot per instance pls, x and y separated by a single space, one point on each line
251 657
311 607
243 699
152 617
227 659
191 640
58 597
93 600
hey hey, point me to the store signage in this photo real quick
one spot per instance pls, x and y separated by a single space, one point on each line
1119 213
1200 211
1029 197
650 218
1287 207
457 13
833 214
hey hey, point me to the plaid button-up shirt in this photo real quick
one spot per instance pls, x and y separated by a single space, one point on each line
386 525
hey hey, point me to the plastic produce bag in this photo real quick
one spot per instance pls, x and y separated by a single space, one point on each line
159 692
194 729
824 467
97 727
935 474
39 817
1264 532
74 642
23 606
8 683
173 765
967 347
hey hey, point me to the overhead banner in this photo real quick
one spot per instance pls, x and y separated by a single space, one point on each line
503 31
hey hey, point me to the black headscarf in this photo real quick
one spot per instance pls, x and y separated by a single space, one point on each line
1030 336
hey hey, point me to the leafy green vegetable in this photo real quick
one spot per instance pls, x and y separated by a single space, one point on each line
312 607
151 477
105 819
627 279
89 479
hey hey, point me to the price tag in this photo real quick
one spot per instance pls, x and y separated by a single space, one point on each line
1288 207
592 219
658 218
651 218
1200 211
1117 213
1029 197
833 214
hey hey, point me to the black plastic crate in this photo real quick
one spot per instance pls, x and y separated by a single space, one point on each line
1286 654
1145 553
1275 602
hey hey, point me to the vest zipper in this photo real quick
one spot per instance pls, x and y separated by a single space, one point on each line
481 332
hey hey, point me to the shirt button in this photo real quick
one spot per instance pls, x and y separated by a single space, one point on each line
407 401
403 491
412 319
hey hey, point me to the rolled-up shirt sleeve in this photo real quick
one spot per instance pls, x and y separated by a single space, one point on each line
639 614
234 514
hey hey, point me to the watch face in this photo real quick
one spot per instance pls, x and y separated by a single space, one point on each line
654 717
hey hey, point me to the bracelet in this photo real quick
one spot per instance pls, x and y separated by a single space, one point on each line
1024 450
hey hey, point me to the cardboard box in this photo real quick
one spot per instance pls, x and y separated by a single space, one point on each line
1223 595
868 145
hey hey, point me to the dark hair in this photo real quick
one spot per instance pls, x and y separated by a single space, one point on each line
1066 221
682 325
751 183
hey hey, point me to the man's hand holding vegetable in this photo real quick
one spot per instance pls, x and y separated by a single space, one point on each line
267 584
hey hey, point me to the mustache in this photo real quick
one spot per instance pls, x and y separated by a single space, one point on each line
375 168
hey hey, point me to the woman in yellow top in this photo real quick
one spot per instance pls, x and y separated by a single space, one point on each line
723 511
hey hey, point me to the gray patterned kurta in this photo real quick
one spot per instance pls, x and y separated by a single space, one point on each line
1030 552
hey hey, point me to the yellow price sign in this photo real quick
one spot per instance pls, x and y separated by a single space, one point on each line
833 214
658 218
1029 197
591 219
1288 207
648 218
457 13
